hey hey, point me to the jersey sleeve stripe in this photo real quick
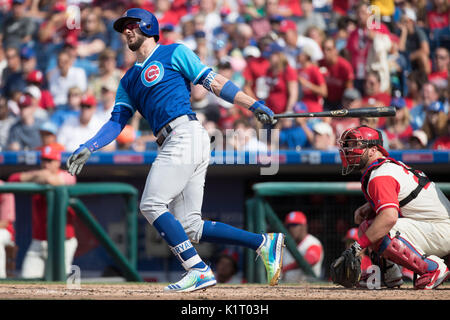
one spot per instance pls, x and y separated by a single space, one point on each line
125 105
199 75
387 205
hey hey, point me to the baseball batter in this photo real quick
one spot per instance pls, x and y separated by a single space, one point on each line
158 87
406 218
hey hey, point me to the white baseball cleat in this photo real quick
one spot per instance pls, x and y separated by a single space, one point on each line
271 253
432 280
194 279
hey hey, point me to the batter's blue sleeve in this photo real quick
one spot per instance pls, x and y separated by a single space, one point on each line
188 63
122 99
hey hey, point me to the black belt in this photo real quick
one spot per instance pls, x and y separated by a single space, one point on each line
167 129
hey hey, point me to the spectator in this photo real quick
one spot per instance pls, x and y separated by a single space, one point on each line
295 134
17 28
282 82
91 41
309 18
377 59
71 109
65 76
108 72
338 74
291 41
7 230
6 121
313 85
398 129
308 246
439 76
107 101
245 138
373 96
436 121
317 34
414 83
443 142
418 140
351 99
75 131
429 95
28 57
255 72
33 265
53 34
24 134
324 138
438 17
49 131
360 41
34 94
227 268
36 78
165 13
414 42
12 77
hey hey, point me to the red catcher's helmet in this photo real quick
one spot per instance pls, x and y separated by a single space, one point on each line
354 142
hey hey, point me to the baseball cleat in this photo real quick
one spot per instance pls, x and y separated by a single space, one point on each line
432 280
194 279
271 253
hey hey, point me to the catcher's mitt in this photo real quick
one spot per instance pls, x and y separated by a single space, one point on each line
346 270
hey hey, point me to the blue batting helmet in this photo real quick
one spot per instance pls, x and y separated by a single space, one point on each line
147 22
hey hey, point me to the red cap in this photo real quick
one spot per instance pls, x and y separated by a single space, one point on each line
287 25
295 217
51 152
352 234
25 101
35 76
88 100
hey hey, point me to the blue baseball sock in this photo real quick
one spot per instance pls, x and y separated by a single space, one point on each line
172 231
219 232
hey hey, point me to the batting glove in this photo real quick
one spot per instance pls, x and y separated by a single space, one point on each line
263 113
77 160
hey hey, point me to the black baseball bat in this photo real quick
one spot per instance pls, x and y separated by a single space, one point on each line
370 112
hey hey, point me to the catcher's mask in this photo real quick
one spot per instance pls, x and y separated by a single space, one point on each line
353 144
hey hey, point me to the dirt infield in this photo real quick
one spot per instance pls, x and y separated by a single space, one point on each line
152 291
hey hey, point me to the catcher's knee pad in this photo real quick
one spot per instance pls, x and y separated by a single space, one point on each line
398 251
193 227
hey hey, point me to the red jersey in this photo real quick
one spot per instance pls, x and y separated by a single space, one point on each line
278 92
442 143
336 76
402 136
255 72
313 101
39 210
438 20
294 5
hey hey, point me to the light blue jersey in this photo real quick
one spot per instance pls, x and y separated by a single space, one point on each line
159 87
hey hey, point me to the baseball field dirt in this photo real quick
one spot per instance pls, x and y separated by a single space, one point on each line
154 291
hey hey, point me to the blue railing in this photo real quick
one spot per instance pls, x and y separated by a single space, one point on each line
314 157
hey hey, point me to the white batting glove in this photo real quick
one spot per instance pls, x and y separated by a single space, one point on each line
77 160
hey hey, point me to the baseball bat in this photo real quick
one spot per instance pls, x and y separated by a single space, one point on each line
370 112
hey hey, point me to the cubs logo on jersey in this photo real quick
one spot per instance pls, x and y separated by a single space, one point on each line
152 74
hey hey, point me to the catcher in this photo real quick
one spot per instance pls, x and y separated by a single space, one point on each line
406 220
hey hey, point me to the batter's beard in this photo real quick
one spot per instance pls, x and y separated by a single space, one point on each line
137 44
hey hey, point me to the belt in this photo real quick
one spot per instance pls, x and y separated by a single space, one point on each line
167 129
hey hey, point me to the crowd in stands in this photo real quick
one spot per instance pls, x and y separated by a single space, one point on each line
61 63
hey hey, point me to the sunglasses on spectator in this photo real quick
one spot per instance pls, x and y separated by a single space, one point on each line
86 106
441 57
131 26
